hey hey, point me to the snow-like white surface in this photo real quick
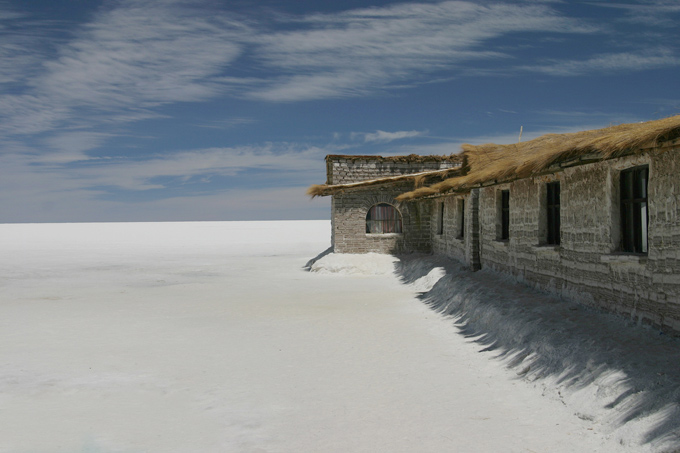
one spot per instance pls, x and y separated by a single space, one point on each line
212 337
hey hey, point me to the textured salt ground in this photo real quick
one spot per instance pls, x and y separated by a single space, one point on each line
604 368
212 336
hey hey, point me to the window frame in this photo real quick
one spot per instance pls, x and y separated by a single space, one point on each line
378 226
634 210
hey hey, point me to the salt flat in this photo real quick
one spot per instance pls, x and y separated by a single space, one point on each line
212 337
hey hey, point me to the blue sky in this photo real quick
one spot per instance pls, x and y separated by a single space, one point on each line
156 110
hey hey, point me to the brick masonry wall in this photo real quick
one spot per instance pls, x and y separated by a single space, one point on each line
588 266
344 170
349 222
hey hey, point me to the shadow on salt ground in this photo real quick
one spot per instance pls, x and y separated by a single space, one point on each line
620 375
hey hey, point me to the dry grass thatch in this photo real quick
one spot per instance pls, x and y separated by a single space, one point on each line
418 179
491 163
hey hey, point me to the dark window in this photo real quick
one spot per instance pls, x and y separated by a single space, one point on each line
553 206
505 214
634 209
383 218
440 226
462 218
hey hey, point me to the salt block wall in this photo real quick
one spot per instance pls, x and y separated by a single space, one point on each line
588 265
349 222
349 208
349 169
448 240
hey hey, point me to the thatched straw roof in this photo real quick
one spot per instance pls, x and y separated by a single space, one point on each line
418 179
495 164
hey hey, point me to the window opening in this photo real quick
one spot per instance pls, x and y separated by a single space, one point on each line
553 207
505 214
440 225
383 218
634 216
462 218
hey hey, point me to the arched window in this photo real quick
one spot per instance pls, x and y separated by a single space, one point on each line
383 218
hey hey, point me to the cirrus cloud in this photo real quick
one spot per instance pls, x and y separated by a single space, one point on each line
386 137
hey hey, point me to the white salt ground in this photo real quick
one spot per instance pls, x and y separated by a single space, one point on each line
211 337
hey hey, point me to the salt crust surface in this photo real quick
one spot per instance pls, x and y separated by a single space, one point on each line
350 264
213 337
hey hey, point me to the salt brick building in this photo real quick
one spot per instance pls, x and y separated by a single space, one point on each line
592 216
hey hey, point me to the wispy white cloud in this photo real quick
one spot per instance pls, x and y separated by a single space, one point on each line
142 53
71 146
29 114
359 51
23 46
386 137
626 61
66 95
133 56
228 123
648 12
40 187
42 194
144 173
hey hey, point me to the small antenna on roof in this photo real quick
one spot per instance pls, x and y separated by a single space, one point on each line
520 134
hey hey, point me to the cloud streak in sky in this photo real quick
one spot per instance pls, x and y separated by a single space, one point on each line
386 137
131 57
145 173
369 50
19 55
76 95
648 12
142 54
135 56
658 58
